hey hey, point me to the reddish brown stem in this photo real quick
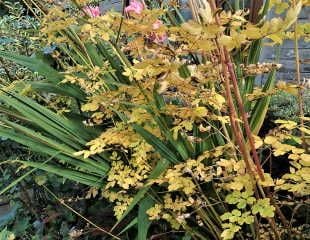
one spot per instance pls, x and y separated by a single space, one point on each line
243 114
233 114
232 110
254 10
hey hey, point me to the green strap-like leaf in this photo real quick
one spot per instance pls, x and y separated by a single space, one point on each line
143 219
70 174
161 166
18 180
261 107
157 144
34 64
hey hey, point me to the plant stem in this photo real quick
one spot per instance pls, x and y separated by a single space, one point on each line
243 114
298 79
254 10
233 113
77 213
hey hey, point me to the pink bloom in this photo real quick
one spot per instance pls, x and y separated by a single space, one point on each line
157 24
135 6
158 37
92 11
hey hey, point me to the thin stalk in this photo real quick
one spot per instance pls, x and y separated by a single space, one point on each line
298 80
236 5
121 23
233 118
80 215
243 115
75 48
254 10
211 227
229 74
81 44
215 215
31 10
16 181
233 113
194 8
273 226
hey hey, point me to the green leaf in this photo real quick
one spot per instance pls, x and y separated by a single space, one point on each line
157 144
187 237
41 179
263 207
18 180
130 225
60 89
261 106
34 64
143 219
70 174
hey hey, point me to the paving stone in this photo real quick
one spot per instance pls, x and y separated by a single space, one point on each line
107 5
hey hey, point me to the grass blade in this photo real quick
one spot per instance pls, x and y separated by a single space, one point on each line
143 219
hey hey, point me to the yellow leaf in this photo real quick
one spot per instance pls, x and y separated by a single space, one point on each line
279 182
268 182
192 27
286 124
276 38
305 160
294 156
258 141
296 150
200 111
281 7
305 130
306 118
278 152
92 106
252 32
270 140
206 12
217 101
292 14
226 41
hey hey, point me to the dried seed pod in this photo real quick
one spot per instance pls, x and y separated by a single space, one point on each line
260 68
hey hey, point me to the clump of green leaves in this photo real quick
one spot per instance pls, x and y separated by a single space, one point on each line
6 235
247 208
18 32
285 106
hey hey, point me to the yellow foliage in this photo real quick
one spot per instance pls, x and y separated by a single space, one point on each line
161 80
298 180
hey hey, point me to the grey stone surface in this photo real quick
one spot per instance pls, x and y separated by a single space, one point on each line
287 54
107 5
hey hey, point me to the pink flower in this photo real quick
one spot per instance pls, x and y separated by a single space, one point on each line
157 24
158 37
92 11
135 6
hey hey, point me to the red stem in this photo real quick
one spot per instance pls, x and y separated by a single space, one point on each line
243 114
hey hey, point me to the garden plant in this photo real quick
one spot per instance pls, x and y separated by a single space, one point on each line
161 117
